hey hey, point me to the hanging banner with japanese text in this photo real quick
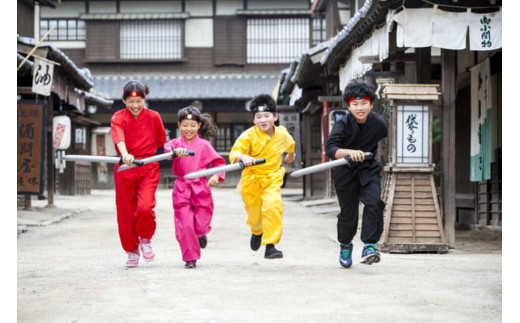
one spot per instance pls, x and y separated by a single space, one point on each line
485 31
31 143
480 142
42 76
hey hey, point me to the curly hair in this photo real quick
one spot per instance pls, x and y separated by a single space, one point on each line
263 100
358 89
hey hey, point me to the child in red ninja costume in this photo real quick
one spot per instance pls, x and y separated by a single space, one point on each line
137 133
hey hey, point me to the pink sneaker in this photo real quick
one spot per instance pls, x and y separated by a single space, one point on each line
133 259
146 249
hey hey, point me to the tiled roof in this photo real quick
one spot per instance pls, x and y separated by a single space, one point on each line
191 86
80 77
128 16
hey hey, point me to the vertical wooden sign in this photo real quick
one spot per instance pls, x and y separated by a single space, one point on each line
30 150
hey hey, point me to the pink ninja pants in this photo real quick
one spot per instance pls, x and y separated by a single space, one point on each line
193 209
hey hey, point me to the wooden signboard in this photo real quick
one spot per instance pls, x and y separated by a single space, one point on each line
291 121
31 143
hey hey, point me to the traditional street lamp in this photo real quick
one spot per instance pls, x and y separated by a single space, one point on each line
412 215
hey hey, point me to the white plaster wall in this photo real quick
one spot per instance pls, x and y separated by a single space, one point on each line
229 7
276 4
199 32
109 146
66 10
199 8
150 6
102 7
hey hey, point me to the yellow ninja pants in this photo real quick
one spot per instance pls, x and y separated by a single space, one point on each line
263 201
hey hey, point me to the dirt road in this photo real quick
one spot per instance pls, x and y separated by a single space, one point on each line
73 271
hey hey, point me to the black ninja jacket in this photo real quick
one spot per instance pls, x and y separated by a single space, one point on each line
347 134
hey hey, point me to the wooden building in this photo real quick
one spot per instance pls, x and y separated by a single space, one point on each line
214 54
399 42
70 94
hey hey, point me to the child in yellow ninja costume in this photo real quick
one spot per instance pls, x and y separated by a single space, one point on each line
261 184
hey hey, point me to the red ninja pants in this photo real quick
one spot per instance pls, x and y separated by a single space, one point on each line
135 201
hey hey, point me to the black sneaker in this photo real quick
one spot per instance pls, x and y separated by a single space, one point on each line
191 264
256 240
203 241
271 252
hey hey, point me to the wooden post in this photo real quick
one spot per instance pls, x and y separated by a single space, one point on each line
449 85
50 154
324 129
324 135
27 202
423 69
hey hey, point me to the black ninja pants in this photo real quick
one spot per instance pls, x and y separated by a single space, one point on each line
372 225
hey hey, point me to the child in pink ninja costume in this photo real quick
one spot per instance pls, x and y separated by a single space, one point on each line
192 200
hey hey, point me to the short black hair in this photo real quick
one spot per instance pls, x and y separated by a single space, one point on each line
189 112
141 89
263 100
358 89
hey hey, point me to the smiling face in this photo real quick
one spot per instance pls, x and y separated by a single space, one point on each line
265 121
134 104
189 129
360 109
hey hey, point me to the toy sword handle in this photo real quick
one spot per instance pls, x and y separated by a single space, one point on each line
170 154
135 162
258 161
334 163
368 155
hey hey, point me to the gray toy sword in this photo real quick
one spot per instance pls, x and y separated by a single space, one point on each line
222 169
164 156
327 165
99 159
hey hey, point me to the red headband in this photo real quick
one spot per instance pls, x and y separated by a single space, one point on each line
358 98
135 93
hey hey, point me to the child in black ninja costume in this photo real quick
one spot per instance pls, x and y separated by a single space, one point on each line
354 135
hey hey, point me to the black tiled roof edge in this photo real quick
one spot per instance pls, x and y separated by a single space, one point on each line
81 77
306 57
192 86
360 27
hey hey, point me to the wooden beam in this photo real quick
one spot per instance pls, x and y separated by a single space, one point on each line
330 98
24 90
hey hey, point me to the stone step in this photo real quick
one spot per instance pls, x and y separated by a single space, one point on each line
325 210
318 202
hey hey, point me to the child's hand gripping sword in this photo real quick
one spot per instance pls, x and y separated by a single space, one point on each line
170 154
222 169
316 168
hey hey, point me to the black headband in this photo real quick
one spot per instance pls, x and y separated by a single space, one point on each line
190 113
263 108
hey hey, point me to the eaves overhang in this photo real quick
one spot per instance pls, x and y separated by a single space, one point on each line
360 27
